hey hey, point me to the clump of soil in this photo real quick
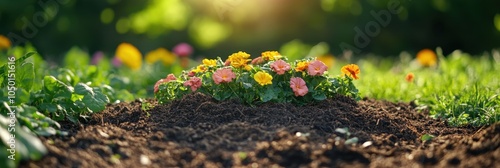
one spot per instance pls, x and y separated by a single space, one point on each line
199 131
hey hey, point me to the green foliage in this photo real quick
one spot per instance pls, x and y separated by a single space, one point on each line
16 143
35 108
461 88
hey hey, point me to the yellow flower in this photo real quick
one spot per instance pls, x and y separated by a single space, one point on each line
239 59
329 60
248 67
271 55
427 57
129 55
4 42
199 68
209 62
301 66
160 54
263 78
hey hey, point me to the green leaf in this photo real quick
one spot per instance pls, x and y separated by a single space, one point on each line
25 76
56 87
268 94
95 101
83 89
18 61
319 95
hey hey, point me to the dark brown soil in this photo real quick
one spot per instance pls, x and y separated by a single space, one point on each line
198 131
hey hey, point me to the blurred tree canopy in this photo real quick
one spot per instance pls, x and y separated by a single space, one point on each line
221 27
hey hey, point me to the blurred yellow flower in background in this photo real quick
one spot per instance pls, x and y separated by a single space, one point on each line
162 54
427 57
129 55
329 60
4 42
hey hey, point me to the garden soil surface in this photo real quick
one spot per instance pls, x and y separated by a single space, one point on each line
199 131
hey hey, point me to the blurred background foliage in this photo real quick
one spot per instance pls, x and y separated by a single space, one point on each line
221 27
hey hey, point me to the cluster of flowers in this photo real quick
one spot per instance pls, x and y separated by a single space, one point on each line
268 77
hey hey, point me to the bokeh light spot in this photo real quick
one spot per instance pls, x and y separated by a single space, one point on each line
207 32
63 24
122 25
496 21
107 15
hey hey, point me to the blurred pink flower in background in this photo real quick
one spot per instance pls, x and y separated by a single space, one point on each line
298 86
97 57
183 50
316 68
116 62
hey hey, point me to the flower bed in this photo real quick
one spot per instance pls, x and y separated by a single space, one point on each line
268 77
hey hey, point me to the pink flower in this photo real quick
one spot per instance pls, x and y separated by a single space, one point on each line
280 67
257 61
170 77
194 82
223 76
298 86
316 68
183 49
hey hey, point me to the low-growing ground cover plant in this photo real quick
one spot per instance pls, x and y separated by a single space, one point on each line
267 78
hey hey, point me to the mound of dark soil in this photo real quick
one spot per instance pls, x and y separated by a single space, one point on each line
198 131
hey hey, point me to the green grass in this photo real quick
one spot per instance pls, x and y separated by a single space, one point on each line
462 89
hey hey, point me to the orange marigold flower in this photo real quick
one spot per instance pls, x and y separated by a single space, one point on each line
409 77
427 57
351 70
271 55
4 42
301 66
